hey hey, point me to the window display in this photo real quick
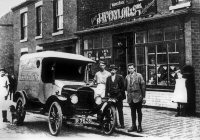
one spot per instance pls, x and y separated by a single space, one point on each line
160 55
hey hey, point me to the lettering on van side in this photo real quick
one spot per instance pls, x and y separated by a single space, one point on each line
29 77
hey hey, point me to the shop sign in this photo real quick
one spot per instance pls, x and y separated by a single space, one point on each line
136 10
115 3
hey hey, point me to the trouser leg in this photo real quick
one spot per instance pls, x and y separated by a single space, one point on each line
4 115
178 109
120 112
139 111
133 115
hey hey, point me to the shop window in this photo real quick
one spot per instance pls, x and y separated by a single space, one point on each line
58 15
93 49
24 24
39 21
159 58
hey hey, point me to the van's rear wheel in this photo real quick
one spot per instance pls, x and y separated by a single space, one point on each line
55 118
20 111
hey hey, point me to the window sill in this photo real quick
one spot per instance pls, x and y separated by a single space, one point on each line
157 89
38 37
57 33
24 40
179 6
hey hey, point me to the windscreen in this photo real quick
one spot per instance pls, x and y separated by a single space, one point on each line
63 69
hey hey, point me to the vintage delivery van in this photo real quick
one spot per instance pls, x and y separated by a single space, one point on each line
55 83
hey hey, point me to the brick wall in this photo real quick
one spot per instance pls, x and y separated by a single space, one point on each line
196 3
70 25
160 99
6 42
195 39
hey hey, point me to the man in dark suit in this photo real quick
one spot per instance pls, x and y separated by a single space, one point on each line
115 89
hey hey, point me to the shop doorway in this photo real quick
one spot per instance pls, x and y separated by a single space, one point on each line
122 51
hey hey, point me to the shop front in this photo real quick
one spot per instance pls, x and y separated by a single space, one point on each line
155 43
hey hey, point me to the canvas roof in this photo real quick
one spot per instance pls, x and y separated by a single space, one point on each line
55 54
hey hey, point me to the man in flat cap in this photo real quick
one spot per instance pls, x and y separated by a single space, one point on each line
115 89
100 79
4 91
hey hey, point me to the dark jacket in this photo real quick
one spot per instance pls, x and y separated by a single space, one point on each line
115 89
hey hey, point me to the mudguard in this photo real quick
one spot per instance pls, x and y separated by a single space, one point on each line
20 94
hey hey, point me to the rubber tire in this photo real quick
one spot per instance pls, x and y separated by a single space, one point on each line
60 118
113 111
20 117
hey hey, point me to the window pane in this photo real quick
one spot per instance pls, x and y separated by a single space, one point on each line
89 54
151 49
140 55
162 75
25 32
162 58
171 47
170 32
25 19
155 35
60 7
161 48
151 65
60 23
39 21
151 74
173 74
105 54
174 58
140 37
97 42
141 69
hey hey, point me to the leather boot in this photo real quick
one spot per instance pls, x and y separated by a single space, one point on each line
133 128
139 128
4 115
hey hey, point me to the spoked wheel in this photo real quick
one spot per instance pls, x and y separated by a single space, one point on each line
20 111
55 118
109 120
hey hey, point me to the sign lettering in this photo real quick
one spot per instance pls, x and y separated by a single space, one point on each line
129 11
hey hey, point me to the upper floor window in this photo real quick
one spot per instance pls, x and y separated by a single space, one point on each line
24 24
39 21
58 15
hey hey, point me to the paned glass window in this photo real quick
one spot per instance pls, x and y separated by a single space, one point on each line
24 24
158 56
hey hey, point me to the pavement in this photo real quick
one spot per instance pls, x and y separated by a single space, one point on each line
163 124
157 123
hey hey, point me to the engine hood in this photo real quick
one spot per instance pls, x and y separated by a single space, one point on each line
69 85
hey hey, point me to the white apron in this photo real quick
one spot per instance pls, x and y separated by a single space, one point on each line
180 92
100 90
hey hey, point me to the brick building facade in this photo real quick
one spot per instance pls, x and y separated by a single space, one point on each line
6 43
44 25
159 36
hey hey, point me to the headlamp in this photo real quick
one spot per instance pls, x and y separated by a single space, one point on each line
74 99
98 100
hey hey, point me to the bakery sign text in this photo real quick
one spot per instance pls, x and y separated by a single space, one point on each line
133 10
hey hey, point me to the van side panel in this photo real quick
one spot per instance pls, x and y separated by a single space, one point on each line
29 78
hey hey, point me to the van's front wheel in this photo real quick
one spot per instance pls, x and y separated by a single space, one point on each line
55 118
